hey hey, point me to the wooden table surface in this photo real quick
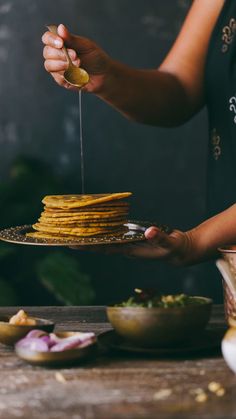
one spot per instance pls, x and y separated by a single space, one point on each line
112 386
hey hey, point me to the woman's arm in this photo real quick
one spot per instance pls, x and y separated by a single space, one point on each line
190 247
180 248
167 96
174 92
217 231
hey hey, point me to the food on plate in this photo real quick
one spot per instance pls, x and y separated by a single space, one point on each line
150 298
82 216
21 318
78 201
40 341
150 319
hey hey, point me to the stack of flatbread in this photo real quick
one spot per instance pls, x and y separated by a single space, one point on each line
82 216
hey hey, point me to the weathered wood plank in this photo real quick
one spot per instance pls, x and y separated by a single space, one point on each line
91 314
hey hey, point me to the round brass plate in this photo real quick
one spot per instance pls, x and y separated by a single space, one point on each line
17 235
208 341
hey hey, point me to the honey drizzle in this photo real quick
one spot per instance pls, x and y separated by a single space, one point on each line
81 144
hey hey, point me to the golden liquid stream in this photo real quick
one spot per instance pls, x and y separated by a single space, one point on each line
81 143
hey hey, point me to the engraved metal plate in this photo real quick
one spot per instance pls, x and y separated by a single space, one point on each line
208 341
17 235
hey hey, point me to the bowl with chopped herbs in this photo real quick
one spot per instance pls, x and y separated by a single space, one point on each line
150 319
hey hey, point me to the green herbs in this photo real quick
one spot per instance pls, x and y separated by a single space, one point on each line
150 299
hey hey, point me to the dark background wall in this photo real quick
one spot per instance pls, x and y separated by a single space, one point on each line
165 168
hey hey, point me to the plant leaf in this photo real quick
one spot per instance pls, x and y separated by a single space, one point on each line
61 274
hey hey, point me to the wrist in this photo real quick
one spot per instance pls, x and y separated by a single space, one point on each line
186 250
107 79
199 248
184 253
190 250
114 81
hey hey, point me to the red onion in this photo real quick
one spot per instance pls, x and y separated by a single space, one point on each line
36 333
72 342
32 344
39 341
66 344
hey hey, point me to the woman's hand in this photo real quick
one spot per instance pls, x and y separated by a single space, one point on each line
182 248
175 247
83 52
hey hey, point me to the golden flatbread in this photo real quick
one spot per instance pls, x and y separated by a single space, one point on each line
82 215
86 216
80 229
107 206
59 221
77 201
81 232
82 225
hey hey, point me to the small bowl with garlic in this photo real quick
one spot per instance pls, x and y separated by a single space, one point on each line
16 327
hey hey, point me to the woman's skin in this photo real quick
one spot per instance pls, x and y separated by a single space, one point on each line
178 82
167 96
190 247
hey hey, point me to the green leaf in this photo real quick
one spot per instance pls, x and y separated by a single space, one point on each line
61 275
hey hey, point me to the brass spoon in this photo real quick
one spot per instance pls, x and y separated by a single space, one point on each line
75 76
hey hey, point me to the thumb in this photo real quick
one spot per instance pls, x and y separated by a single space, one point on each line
64 33
174 246
157 237
78 43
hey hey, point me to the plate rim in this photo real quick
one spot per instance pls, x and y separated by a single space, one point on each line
59 358
167 352
87 241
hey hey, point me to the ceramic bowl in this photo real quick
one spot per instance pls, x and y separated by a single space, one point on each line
160 327
10 333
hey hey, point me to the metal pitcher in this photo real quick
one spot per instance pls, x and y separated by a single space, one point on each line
227 268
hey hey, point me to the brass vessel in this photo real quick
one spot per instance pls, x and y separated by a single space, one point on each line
10 333
160 327
229 279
